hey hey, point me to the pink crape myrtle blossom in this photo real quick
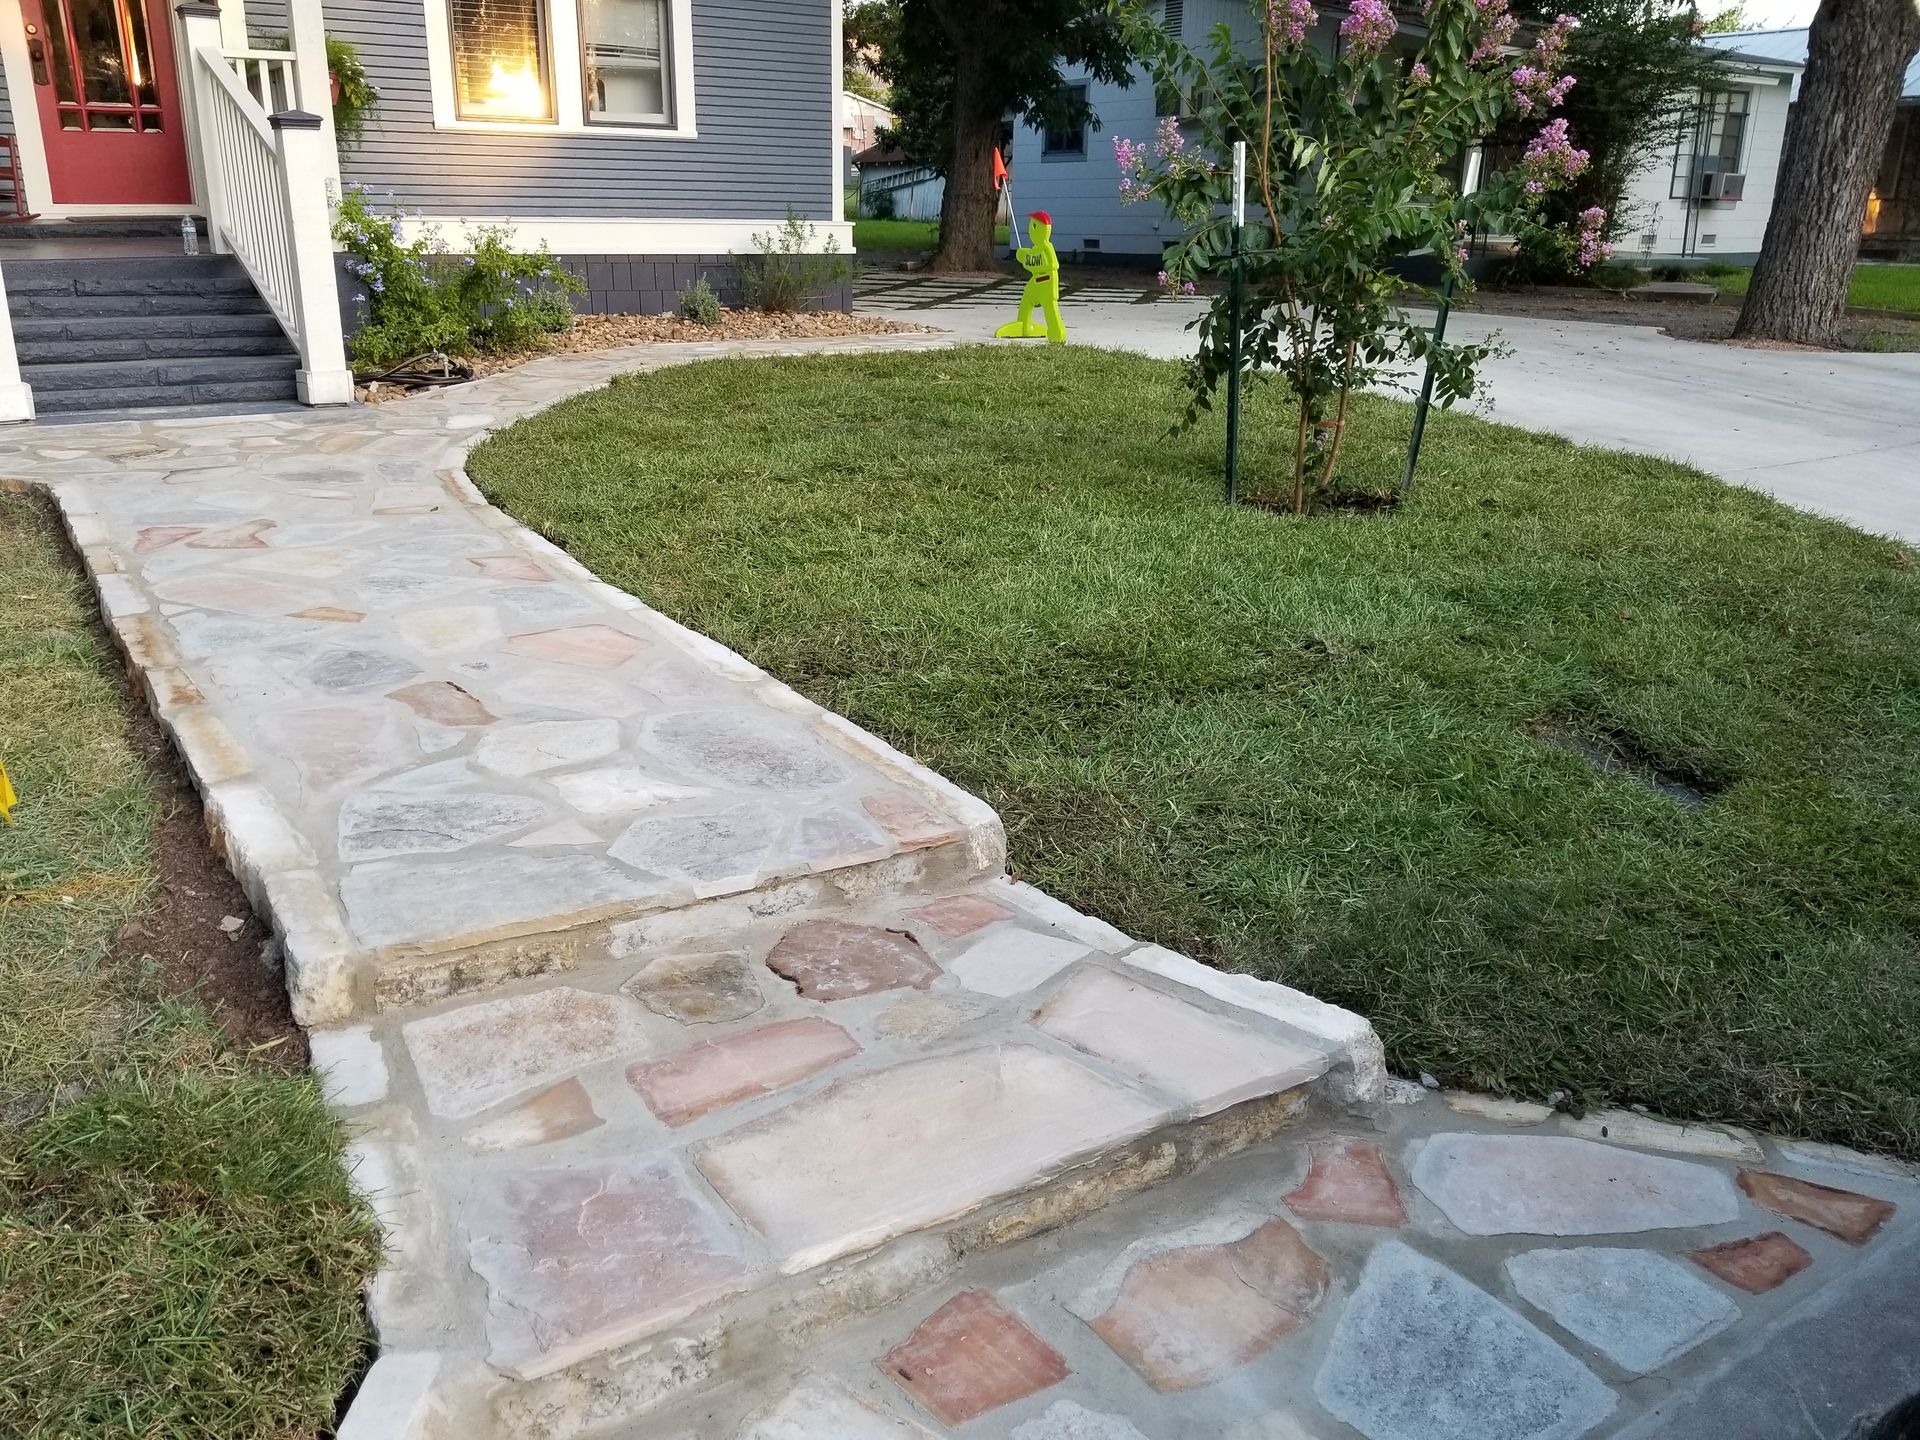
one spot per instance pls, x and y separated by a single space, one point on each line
1167 139
1368 28
1537 85
1498 31
1418 73
1132 158
1289 20
1592 249
1551 158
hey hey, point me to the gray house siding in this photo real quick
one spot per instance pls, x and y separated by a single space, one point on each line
763 105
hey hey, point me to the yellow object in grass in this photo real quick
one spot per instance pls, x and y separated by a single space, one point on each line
7 798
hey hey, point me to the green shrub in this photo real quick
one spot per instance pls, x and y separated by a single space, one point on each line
698 303
423 297
789 273
880 205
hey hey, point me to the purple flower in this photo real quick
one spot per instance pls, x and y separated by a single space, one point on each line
1189 288
1167 139
1551 158
1161 279
1368 28
1419 74
1289 20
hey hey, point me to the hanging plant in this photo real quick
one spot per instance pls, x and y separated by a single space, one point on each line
354 98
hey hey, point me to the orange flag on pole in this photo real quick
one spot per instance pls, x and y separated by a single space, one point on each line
999 169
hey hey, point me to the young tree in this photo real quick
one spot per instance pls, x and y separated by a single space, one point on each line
1352 164
1857 52
958 68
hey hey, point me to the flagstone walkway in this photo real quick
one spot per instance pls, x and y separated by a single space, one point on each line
712 1079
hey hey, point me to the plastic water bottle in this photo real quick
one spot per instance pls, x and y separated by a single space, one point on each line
189 235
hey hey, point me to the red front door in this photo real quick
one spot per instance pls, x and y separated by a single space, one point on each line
109 101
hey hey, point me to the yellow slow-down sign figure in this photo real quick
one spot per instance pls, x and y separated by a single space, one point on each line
1042 264
7 798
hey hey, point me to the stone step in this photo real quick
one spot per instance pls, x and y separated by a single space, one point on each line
85 329
784 1118
118 401
66 350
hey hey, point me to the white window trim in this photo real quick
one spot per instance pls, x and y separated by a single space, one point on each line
563 61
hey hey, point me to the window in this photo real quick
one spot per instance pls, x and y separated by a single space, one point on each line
624 59
499 53
575 66
1712 142
1061 138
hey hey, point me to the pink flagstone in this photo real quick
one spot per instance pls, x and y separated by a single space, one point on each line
581 1258
696 1082
961 914
1189 1317
832 960
970 1356
508 567
1847 1214
598 647
1347 1180
912 824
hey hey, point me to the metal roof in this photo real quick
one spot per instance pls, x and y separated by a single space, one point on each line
1791 45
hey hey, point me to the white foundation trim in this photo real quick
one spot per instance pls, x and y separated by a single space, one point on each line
563 63
566 236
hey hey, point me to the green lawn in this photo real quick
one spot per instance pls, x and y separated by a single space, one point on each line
180 1254
1309 749
902 235
1875 287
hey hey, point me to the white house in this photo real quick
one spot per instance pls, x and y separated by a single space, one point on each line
1705 193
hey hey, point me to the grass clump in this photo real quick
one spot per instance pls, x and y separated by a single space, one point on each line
1312 749
180 1251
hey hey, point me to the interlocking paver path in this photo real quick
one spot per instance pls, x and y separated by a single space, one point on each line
711 1079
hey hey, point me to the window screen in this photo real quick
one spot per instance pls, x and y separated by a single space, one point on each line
624 57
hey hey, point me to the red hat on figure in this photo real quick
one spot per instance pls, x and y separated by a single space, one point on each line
1042 216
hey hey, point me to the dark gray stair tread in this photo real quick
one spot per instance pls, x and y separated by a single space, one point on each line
185 371
27 307
129 275
117 402
150 327
143 347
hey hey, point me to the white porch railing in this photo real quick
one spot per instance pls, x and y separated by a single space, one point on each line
263 153
268 77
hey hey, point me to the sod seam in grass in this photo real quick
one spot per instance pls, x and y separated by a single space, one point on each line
1311 750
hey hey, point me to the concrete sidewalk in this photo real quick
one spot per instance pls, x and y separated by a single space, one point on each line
1834 433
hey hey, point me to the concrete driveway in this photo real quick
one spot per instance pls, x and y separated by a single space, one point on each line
1838 434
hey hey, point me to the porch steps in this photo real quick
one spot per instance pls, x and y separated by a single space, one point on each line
111 334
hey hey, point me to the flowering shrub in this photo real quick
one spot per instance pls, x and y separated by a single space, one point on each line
1351 164
423 297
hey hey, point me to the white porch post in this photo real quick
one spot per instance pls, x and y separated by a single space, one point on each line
200 27
233 24
324 379
313 87
16 397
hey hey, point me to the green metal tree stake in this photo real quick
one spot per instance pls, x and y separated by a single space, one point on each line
1233 320
1425 401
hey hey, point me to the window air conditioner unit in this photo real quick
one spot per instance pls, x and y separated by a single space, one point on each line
1719 185
1732 187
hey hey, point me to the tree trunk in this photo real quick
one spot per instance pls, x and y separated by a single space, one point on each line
1836 135
967 211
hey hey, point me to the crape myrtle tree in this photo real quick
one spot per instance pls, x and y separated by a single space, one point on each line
1642 71
958 69
1857 52
1352 163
